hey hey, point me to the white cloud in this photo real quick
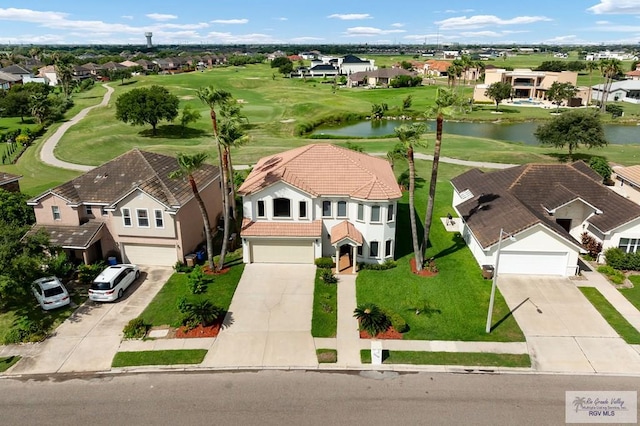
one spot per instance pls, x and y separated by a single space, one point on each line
397 25
35 39
283 19
603 22
458 11
230 21
369 31
129 17
184 26
218 37
161 16
350 16
481 34
630 7
566 39
480 21
28 15
306 39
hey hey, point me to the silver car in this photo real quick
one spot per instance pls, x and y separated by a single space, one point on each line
112 282
50 293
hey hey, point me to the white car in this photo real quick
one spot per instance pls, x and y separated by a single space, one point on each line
112 282
50 293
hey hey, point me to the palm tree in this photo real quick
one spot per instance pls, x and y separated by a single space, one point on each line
590 66
188 165
446 104
215 98
409 136
466 63
609 68
232 134
64 72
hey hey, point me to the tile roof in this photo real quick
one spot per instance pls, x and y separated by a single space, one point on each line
81 236
346 229
630 174
518 198
134 169
281 229
6 178
380 73
325 170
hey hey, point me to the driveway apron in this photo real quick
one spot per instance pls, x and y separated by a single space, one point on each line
565 333
88 339
269 320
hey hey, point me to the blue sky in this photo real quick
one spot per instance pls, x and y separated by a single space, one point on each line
325 21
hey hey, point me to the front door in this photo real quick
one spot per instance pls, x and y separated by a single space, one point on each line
345 260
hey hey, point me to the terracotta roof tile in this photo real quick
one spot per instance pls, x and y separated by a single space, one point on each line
324 169
281 229
345 229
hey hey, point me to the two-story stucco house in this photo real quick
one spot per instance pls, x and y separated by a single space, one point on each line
319 200
545 208
130 209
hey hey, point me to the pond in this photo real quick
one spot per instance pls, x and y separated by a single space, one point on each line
511 132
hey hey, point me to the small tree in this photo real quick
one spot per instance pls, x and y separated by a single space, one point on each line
372 319
120 74
147 105
573 128
498 91
559 92
601 166
189 115
406 102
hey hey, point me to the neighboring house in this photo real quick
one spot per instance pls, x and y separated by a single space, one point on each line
130 209
546 208
633 75
9 182
619 91
8 80
48 73
80 72
323 70
350 64
17 70
113 66
129 64
379 77
94 69
435 68
627 182
606 54
319 200
525 83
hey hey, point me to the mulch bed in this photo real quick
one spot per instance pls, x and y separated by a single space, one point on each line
199 331
423 273
208 271
391 333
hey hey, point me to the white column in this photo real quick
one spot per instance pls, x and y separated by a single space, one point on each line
355 258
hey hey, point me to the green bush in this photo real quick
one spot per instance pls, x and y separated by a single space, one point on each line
135 329
397 321
324 262
388 264
371 318
87 273
328 276
182 267
201 312
612 274
197 281
618 259
25 330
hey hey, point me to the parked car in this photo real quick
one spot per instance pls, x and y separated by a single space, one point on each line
50 292
111 284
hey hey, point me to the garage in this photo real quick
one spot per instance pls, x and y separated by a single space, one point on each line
533 263
142 254
282 251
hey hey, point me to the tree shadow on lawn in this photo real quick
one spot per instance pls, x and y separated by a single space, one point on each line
565 158
458 244
127 83
173 131
404 242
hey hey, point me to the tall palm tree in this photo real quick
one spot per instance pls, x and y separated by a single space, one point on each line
409 136
188 165
232 134
215 98
591 66
447 102
609 68
466 63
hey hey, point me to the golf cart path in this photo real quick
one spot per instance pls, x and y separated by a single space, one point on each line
46 153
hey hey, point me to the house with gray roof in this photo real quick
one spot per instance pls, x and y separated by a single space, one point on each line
620 91
546 208
130 209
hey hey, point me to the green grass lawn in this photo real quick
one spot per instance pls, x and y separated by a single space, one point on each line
633 294
163 308
479 359
167 357
455 301
613 317
325 308
8 362
327 356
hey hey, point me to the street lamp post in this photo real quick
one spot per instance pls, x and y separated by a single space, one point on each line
495 280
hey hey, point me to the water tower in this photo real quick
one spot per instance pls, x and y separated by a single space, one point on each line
148 36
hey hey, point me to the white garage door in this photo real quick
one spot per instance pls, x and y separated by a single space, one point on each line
282 251
533 263
149 255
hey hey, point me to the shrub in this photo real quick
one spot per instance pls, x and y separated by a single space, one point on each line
135 329
618 259
25 330
197 281
328 276
87 273
182 267
388 264
372 319
591 245
201 312
601 166
324 262
612 274
397 321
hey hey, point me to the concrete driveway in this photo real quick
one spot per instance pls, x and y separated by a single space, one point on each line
269 320
88 339
568 334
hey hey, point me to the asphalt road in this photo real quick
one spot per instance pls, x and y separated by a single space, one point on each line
294 398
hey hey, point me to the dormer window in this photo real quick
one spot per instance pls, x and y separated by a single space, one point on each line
281 207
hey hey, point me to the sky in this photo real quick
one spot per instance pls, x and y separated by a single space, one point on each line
487 22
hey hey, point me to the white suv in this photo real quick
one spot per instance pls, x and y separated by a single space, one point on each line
112 282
